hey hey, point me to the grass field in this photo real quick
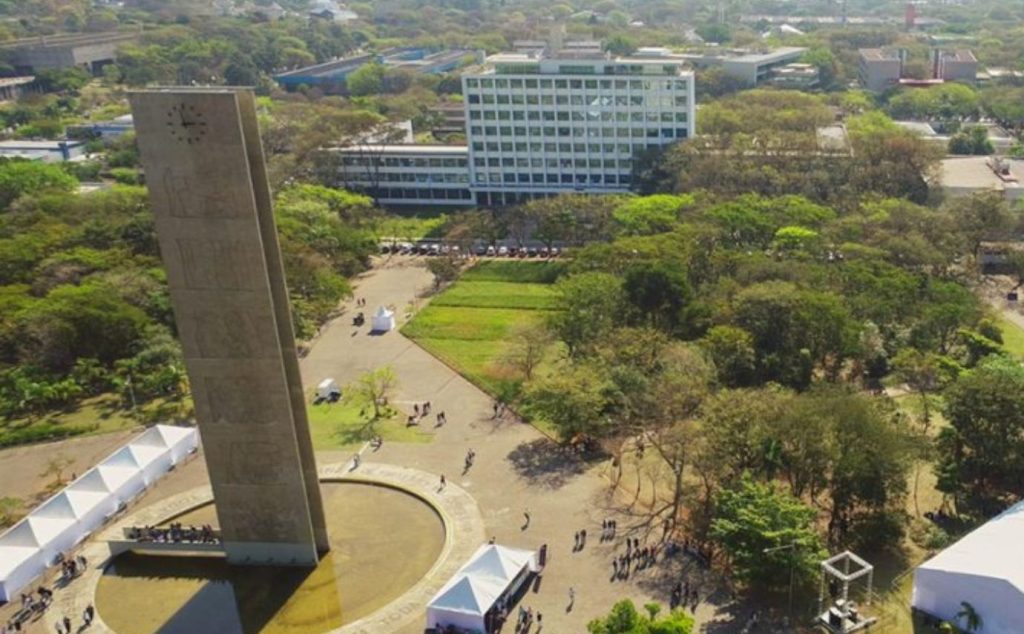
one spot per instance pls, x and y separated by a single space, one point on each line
1013 336
348 424
411 227
96 415
469 325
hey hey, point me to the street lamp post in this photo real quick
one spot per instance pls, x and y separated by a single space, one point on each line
790 546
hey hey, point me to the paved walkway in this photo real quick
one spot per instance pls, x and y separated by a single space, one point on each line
21 468
517 470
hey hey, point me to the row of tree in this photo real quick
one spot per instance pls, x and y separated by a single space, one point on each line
84 307
738 342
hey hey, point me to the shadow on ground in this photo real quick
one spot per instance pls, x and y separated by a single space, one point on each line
546 463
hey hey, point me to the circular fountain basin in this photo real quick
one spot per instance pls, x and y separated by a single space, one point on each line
383 541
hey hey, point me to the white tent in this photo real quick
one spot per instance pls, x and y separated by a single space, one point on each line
491 573
985 569
383 320
181 441
67 518
123 474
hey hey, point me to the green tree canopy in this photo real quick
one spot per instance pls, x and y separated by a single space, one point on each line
981 454
764 531
624 619
18 178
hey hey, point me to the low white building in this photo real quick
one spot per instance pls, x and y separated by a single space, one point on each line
46 151
413 174
966 175
984 569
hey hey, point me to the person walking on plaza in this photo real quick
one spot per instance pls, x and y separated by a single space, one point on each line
88 614
572 598
526 516
67 624
444 483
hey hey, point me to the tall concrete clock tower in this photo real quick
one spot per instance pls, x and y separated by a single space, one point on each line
214 220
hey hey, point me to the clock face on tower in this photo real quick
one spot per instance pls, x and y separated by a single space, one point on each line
186 123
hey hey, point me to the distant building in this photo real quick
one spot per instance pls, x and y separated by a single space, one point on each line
750 67
105 130
999 74
879 69
331 77
452 118
963 176
330 10
91 51
46 151
407 174
1001 140
796 77
960 65
13 87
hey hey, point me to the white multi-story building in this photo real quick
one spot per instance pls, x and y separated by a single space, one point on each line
574 121
537 125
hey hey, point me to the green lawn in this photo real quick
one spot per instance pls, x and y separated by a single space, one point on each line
1013 336
348 424
415 227
469 325
96 415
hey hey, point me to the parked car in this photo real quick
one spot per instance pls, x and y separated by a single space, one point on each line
491 250
502 250
531 252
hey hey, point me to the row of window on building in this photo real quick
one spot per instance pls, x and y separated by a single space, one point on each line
656 100
503 83
555 163
424 194
400 161
635 116
521 147
556 178
407 177
582 133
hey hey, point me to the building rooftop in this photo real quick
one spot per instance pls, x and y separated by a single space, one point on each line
409 148
961 55
773 55
879 55
16 81
918 127
38 145
977 172
69 39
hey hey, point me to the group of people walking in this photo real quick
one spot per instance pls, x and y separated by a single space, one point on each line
31 607
422 411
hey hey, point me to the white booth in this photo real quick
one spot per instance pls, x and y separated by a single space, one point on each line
383 320
984 569
493 574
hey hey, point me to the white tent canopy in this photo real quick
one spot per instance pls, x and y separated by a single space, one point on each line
67 518
491 573
383 320
985 569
